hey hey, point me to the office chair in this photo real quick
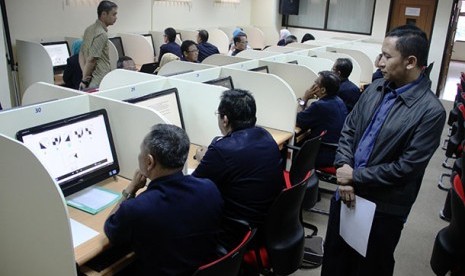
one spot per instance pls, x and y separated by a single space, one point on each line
449 246
327 174
230 263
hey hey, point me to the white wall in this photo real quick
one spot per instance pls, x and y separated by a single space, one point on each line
4 70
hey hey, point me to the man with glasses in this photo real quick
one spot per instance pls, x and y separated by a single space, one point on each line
240 43
189 51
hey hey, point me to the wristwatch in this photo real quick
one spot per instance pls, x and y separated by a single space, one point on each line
127 195
301 102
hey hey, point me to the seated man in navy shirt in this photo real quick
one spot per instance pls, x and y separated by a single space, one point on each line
327 114
170 45
206 49
348 91
172 225
245 163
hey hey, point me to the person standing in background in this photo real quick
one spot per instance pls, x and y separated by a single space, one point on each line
94 57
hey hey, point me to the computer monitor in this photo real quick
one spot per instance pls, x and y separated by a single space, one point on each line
149 68
166 102
179 36
293 62
261 69
223 81
118 44
59 53
77 151
149 39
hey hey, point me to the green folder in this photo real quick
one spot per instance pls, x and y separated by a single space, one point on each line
93 199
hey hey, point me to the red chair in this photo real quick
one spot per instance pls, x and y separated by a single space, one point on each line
229 264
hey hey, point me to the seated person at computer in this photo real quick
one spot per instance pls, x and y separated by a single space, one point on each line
206 49
348 91
328 114
173 223
126 63
245 163
283 34
240 44
307 37
167 58
170 45
72 75
189 50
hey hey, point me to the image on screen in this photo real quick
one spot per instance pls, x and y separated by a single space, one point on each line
225 82
77 151
58 52
166 102
261 69
118 45
293 62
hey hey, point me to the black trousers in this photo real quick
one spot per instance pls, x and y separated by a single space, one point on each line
340 259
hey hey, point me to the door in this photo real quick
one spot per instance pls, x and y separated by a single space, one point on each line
413 12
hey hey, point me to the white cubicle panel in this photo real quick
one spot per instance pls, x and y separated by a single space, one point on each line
34 64
316 64
255 37
200 76
138 48
113 55
282 49
371 49
275 99
188 34
36 236
220 60
42 92
254 54
220 39
178 66
271 34
228 31
304 45
356 70
365 62
121 77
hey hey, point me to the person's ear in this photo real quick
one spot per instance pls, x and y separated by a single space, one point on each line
411 62
150 162
323 90
225 121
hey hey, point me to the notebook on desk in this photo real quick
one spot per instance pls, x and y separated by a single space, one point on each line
148 68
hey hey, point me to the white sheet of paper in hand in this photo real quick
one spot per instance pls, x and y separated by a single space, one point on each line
355 224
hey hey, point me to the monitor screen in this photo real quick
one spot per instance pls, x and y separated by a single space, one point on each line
224 81
166 102
149 39
58 52
293 62
77 151
261 69
118 44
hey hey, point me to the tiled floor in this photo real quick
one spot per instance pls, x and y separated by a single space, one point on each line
453 77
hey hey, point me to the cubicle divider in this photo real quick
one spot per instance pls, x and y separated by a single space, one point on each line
220 39
314 63
121 77
34 215
282 49
34 64
188 34
271 34
254 54
42 92
138 48
220 60
255 37
299 78
179 67
365 62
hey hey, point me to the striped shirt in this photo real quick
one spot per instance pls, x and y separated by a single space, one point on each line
95 44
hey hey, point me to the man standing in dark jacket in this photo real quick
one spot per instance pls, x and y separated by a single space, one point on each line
385 146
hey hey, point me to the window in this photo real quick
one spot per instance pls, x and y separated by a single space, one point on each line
352 16
460 33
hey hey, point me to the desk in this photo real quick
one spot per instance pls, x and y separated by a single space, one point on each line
96 245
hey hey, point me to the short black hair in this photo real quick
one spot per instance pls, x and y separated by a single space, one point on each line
168 144
186 44
105 6
307 36
239 106
170 34
237 38
345 66
412 41
290 39
330 82
203 34
121 60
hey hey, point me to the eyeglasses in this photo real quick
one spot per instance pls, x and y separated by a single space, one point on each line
193 51
218 113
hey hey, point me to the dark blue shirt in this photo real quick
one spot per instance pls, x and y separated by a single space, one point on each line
328 113
170 47
72 75
246 166
349 93
205 50
172 226
365 147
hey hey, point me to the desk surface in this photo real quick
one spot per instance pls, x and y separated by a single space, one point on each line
96 245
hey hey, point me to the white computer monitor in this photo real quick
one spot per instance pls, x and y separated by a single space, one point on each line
58 52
